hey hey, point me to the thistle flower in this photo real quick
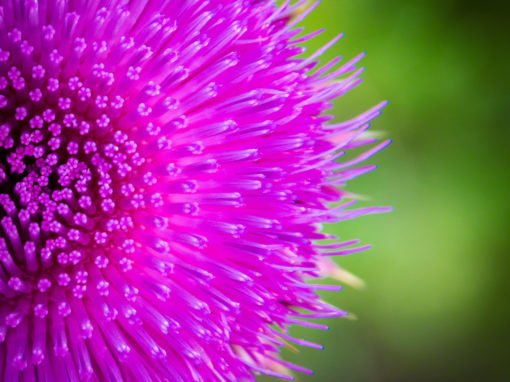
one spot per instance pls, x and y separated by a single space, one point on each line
164 170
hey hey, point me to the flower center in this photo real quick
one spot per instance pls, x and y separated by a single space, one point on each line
67 175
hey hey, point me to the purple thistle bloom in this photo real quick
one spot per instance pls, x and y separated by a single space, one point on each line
164 169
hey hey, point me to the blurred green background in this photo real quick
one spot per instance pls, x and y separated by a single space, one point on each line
435 307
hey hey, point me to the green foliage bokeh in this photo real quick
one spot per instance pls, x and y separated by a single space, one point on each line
435 306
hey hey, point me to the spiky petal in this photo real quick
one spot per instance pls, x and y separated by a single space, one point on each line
164 167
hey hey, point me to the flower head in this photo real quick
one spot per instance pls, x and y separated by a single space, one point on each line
164 167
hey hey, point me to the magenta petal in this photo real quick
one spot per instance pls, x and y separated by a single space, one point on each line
164 170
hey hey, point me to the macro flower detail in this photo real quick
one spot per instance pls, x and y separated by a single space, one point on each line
164 170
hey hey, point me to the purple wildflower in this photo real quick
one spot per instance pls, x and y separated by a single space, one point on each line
164 167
